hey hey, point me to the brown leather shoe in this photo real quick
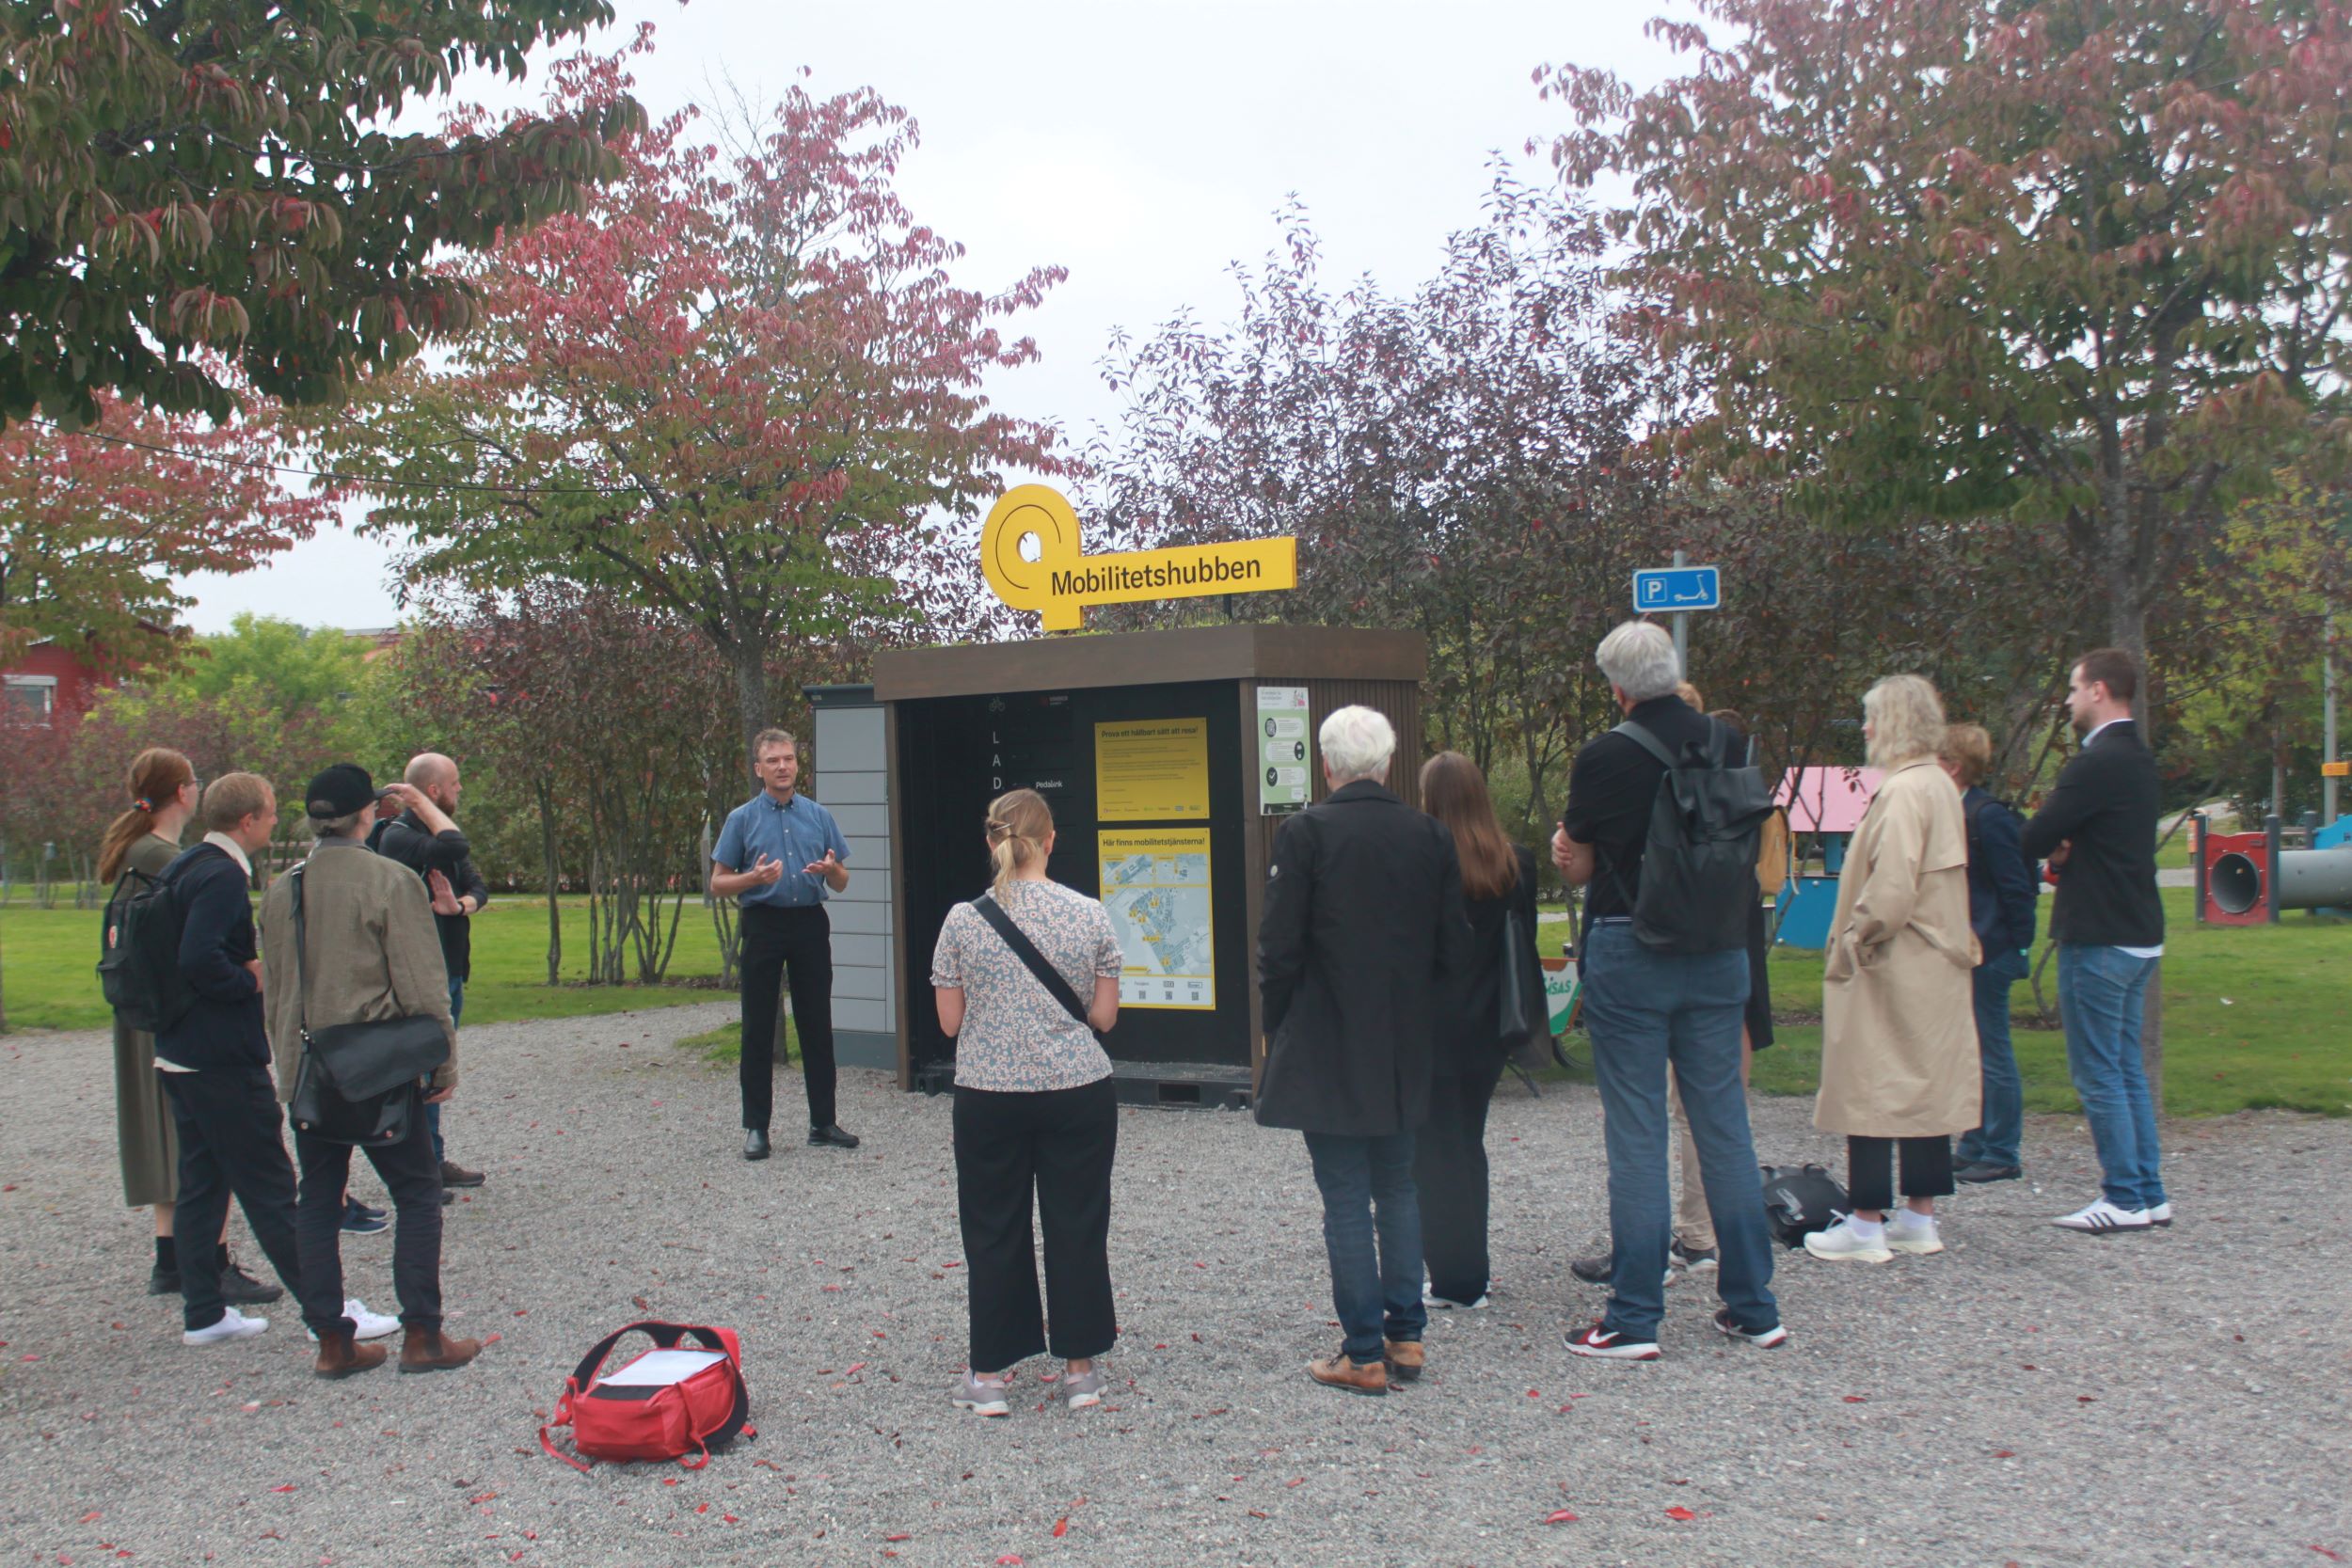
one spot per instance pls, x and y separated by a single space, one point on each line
1339 1372
428 1350
1404 1359
339 1355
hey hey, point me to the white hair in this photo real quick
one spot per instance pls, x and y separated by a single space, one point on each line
1357 744
1639 659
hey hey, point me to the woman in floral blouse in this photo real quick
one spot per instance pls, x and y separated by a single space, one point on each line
1036 1114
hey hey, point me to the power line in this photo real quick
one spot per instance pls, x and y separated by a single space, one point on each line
371 482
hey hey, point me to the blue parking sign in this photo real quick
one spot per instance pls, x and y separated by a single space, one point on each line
1677 588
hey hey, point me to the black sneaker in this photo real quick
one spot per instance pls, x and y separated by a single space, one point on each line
832 1137
1690 1259
162 1281
1594 1269
360 1220
1982 1172
240 1288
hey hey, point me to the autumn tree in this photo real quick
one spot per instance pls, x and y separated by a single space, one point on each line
179 180
98 526
2084 262
741 388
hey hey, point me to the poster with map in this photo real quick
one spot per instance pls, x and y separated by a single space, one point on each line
1156 887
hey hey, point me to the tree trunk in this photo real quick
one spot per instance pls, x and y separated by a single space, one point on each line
753 702
543 788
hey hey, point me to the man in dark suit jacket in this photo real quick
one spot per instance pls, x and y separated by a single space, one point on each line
1363 922
214 1067
2098 829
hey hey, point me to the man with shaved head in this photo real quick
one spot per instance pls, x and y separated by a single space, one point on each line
424 839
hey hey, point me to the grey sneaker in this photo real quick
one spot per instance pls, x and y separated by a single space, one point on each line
1083 1390
988 1398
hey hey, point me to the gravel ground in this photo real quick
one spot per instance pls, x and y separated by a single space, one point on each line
2026 1398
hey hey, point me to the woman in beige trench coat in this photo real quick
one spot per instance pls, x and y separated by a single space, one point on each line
1898 1031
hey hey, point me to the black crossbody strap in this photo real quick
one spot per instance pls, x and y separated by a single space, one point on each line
302 973
986 907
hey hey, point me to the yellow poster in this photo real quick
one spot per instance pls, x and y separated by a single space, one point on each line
1155 885
1152 771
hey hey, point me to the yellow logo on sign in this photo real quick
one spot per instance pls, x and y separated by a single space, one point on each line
1063 579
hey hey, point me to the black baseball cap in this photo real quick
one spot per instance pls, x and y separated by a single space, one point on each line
339 791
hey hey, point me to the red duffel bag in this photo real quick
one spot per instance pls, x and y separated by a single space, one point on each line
674 1400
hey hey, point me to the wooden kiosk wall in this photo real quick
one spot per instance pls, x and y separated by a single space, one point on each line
1337 665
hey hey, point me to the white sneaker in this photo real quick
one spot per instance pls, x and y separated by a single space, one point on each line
2102 1218
373 1325
1445 1304
1840 1243
233 1325
1912 1232
2161 1213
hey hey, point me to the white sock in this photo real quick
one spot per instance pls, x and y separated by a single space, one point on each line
1868 1230
1910 1219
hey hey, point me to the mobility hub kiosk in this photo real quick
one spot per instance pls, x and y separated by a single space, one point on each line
1169 759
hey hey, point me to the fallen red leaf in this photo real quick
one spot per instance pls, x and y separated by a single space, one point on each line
1856 1399
1008 1560
1681 1513
901 1536
2325 1553
1296 1480
853 1369
92 1517
288 1487
1560 1517
2005 1453
729 1518
1061 1527
702 1508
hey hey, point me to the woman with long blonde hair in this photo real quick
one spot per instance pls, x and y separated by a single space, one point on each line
1466 1061
1025 977
1899 1032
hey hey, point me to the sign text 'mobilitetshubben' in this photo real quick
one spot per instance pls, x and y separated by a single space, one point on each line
1119 577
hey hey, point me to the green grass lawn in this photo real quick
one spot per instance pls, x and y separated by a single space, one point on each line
48 957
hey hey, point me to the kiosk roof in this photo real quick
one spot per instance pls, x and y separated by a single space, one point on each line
1151 658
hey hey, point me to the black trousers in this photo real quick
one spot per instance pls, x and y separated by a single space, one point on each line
412 1174
1870 1169
1055 1146
231 1141
1450 1170
778 943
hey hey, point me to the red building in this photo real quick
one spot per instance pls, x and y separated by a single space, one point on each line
50 685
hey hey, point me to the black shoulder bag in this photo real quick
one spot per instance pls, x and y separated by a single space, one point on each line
357 1081
986 907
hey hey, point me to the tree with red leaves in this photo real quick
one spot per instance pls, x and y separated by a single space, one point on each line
740 389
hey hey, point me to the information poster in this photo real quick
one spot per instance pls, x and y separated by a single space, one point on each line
1152 771
1284 776
1156 887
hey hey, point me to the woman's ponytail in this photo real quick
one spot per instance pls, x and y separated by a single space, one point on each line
1017 825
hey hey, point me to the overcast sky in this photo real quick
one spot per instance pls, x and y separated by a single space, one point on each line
1142 143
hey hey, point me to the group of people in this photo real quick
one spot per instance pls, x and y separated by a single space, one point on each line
373 927
1392 953
1387 945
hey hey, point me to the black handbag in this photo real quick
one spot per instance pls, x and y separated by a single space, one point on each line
1526 1008
356 1083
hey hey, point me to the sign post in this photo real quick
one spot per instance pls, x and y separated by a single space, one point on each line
1678 590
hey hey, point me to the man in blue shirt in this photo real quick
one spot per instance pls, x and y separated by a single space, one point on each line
779 856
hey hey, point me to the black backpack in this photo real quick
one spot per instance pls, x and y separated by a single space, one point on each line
138 953
1698 868
1800 1201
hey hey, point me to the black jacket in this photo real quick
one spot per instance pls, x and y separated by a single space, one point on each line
2001 884
223 1032
2105 804
1470 1032
404 839
1363 924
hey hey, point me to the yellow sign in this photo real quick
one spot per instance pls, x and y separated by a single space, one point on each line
2335 769
1152 770
1156 887
1063 579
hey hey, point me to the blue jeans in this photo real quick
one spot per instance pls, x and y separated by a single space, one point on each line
1647 1010
433 1113
1995 1142
2101 990
1367 1186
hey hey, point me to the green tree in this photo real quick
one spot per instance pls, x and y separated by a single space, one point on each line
2084 261
178 176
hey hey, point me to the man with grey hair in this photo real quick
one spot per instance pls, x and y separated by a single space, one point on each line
425 839
1363 921
1649 1008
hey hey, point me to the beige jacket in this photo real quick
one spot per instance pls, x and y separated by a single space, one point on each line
1899 1022
374 954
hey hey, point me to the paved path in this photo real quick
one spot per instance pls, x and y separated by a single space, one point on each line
2027 1398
